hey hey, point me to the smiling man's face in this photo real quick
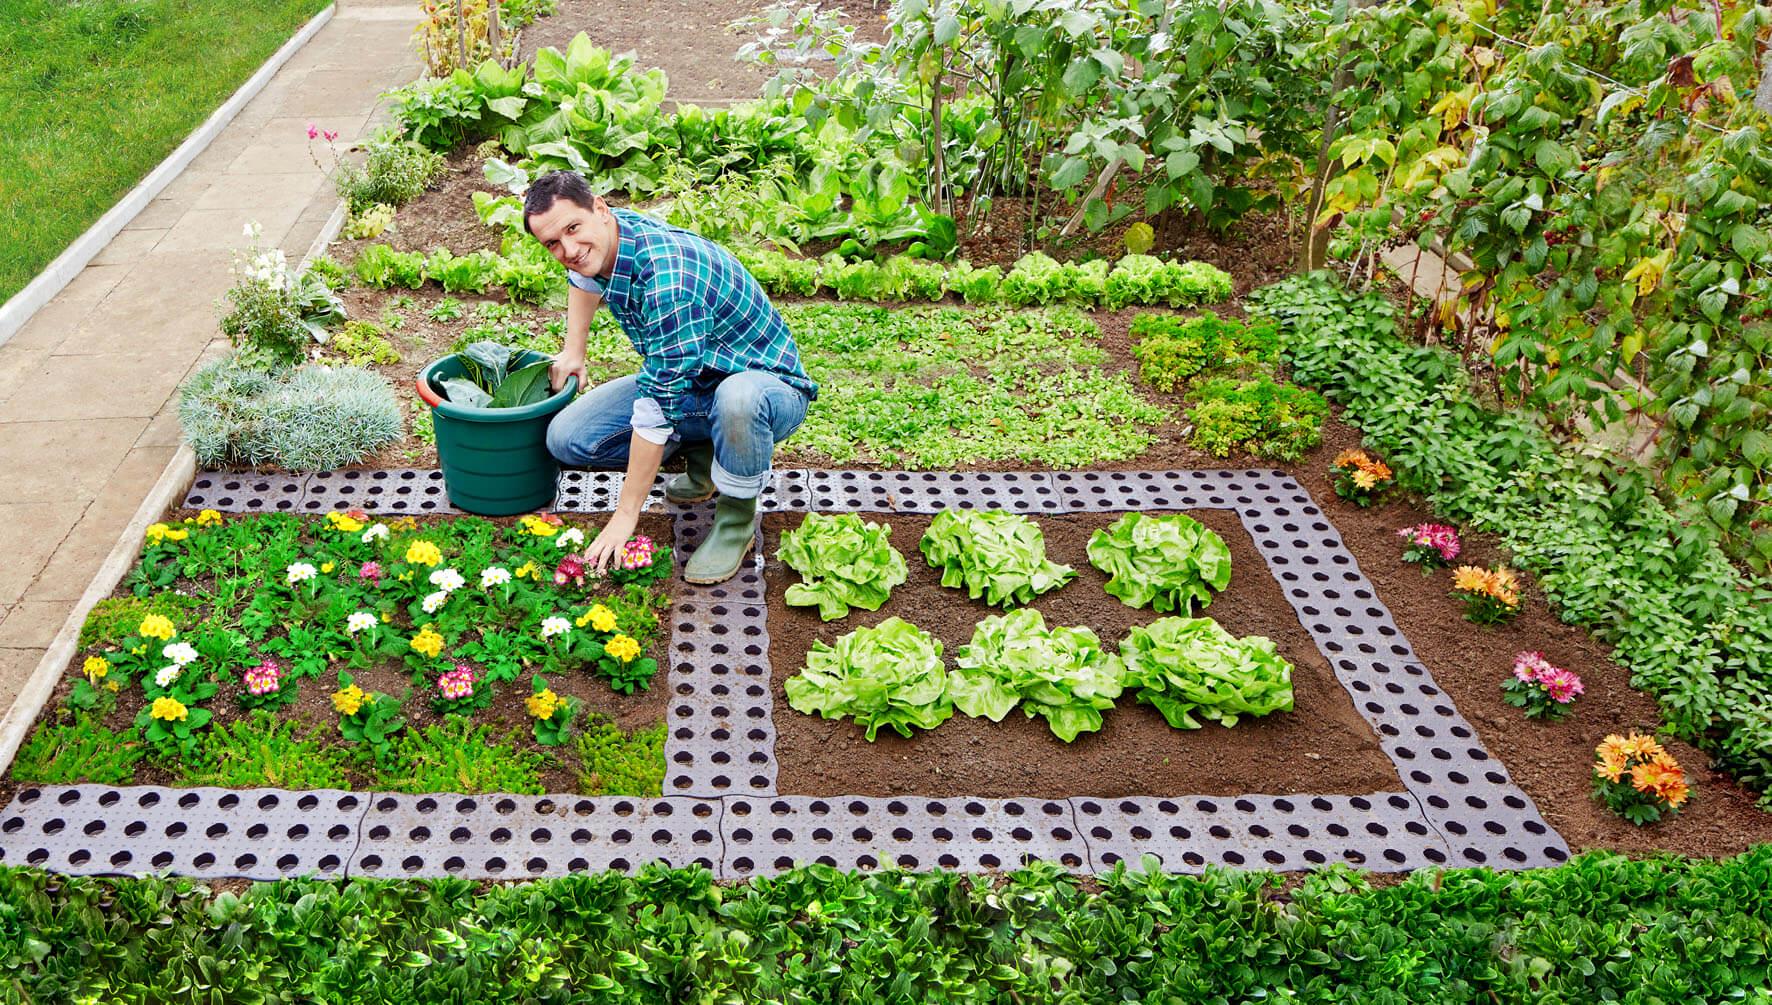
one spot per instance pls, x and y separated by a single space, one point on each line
583 240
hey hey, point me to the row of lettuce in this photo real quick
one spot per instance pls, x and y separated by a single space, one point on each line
1602 928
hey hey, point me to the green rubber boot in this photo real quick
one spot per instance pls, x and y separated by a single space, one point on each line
697 480
729 540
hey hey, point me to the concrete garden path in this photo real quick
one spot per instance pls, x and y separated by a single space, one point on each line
88 387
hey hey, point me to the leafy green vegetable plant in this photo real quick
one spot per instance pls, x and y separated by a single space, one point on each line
842 562
491 383
613 763
1169 562
890 675
994 554
1261 416
1192 666
1061 673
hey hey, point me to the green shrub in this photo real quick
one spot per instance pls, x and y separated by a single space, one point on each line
395 171
1260 416
364 343
276 312
1171 350
613 763
82 751
371 221
311 418
262 750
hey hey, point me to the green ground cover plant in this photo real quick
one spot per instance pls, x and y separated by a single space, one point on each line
842 563
993 554
1653 582
621 764
1601 928
1262 416
162 65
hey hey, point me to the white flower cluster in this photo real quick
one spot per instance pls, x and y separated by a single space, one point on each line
555 626
360 621
375 532
301 572
493 575
569 537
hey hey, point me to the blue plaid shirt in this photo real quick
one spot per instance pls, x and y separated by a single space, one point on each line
693 313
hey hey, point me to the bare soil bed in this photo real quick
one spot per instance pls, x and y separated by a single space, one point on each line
1323 745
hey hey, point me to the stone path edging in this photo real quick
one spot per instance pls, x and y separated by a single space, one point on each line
60 272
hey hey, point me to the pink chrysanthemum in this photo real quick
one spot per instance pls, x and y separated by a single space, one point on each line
265 678
1563 685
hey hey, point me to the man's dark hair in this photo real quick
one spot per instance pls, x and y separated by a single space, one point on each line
568 185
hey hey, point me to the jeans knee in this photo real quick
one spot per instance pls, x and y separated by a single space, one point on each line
559 440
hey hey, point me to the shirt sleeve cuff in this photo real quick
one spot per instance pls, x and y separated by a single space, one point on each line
649 421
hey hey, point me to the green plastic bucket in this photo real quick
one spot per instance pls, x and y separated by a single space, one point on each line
495 460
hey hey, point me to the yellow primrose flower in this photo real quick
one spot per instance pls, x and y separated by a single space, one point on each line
156 626
343 522
423 553
543 704
325 566
622 648
527 569
157 532
427 642
208 518
177 534
403 523
169 709
95 668
138 651
348 700
539 527
598 617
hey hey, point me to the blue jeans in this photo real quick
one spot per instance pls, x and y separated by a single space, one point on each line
745 416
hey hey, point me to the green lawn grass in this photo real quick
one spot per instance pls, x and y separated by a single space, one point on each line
95 93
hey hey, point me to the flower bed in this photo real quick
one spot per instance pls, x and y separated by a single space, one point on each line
343 651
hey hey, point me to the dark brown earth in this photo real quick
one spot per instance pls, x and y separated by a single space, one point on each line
1321 746
689 39
313 706
1550 761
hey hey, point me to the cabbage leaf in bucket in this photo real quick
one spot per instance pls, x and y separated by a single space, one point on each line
489 381
1192 666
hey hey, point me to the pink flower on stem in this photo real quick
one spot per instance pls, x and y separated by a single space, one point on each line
571 569
457 683
330 134
265 678
313 131
1530 667
370 571
637 553
1563 685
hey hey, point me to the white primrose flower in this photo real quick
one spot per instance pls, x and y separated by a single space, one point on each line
493 576
447 580
375 533
435 601
301 572
180 653
166 675
360 621
569 537
555 626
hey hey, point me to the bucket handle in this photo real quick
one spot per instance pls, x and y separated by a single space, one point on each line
425 393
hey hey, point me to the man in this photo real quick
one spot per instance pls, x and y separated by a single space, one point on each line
720 382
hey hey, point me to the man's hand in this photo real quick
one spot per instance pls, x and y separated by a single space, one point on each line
608 544
566 366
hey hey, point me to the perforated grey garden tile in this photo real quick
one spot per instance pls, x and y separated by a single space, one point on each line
599 491
208 833
515 837
404 491
1382 831
246 492
764 836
